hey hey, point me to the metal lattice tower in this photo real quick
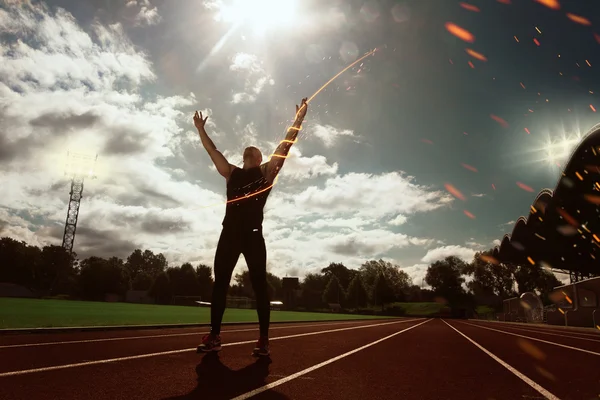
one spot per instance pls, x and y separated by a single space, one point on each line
78 168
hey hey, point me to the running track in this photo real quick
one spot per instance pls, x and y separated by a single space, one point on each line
387 359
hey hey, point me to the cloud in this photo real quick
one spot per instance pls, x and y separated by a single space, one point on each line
370 196
399 220
299 168
370 243
328 134
496 242
440 253
255 77
147 15
417 272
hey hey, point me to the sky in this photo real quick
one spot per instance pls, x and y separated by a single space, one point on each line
411 155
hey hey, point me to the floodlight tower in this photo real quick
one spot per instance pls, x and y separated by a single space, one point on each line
79 166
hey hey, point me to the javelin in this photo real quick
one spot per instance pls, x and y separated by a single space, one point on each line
304 105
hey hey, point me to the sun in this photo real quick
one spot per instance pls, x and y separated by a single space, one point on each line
258 15
558 150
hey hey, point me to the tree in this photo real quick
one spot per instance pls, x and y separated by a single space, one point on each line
205 281
334 293
18 262
356 295
444 276
414 294
344 274
143 281
382 291
55 268
275 286
184 281
312 287
490 278
399 281
99 276
147 262
161 289
243 281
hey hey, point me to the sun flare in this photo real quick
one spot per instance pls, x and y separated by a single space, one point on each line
258 15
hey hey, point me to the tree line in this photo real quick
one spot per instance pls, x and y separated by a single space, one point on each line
52 271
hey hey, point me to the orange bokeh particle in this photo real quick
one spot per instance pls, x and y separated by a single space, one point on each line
459 32
523 86
454 191
469 167
426 141
572 221
553 4
593 108
536 41
471 65
499 120
476 55
579 19
504 1
527 130
597 37
592 199
489 259
470 7
468 214
493 186
524 187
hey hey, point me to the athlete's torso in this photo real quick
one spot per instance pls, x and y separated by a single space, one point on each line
244 209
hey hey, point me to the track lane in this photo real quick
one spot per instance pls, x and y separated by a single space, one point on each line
591 344
428 362
588 333
190 375
21 358
58 337
568 374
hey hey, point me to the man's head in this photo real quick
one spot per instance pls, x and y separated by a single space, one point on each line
252 157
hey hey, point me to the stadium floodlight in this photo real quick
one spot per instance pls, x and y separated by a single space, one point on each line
78 167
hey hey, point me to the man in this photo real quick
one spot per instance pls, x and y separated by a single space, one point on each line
247 191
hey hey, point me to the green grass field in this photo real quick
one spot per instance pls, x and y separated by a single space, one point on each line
34 313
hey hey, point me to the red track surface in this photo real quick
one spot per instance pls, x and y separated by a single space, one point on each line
405 359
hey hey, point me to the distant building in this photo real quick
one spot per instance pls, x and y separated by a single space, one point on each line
138 296
14 290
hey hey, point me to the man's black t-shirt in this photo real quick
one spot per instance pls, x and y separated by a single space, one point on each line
244 209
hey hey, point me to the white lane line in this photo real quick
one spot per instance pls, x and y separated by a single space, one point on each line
547 328
525 379
9 346
164 353
314 367
536 339
549 333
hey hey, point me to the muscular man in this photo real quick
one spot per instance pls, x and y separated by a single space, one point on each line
247 191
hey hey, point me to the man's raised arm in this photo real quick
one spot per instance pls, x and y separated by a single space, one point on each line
216 156
277 159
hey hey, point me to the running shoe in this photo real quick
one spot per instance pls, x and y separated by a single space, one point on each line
262 347
210 342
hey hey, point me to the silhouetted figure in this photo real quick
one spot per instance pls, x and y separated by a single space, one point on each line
247 191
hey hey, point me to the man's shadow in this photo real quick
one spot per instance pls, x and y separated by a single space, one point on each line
217 381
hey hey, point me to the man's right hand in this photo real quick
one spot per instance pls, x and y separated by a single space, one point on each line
301 111
199 121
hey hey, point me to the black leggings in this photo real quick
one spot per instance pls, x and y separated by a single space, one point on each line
251 244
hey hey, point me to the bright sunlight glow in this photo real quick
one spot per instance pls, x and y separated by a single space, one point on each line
558 150
259 15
